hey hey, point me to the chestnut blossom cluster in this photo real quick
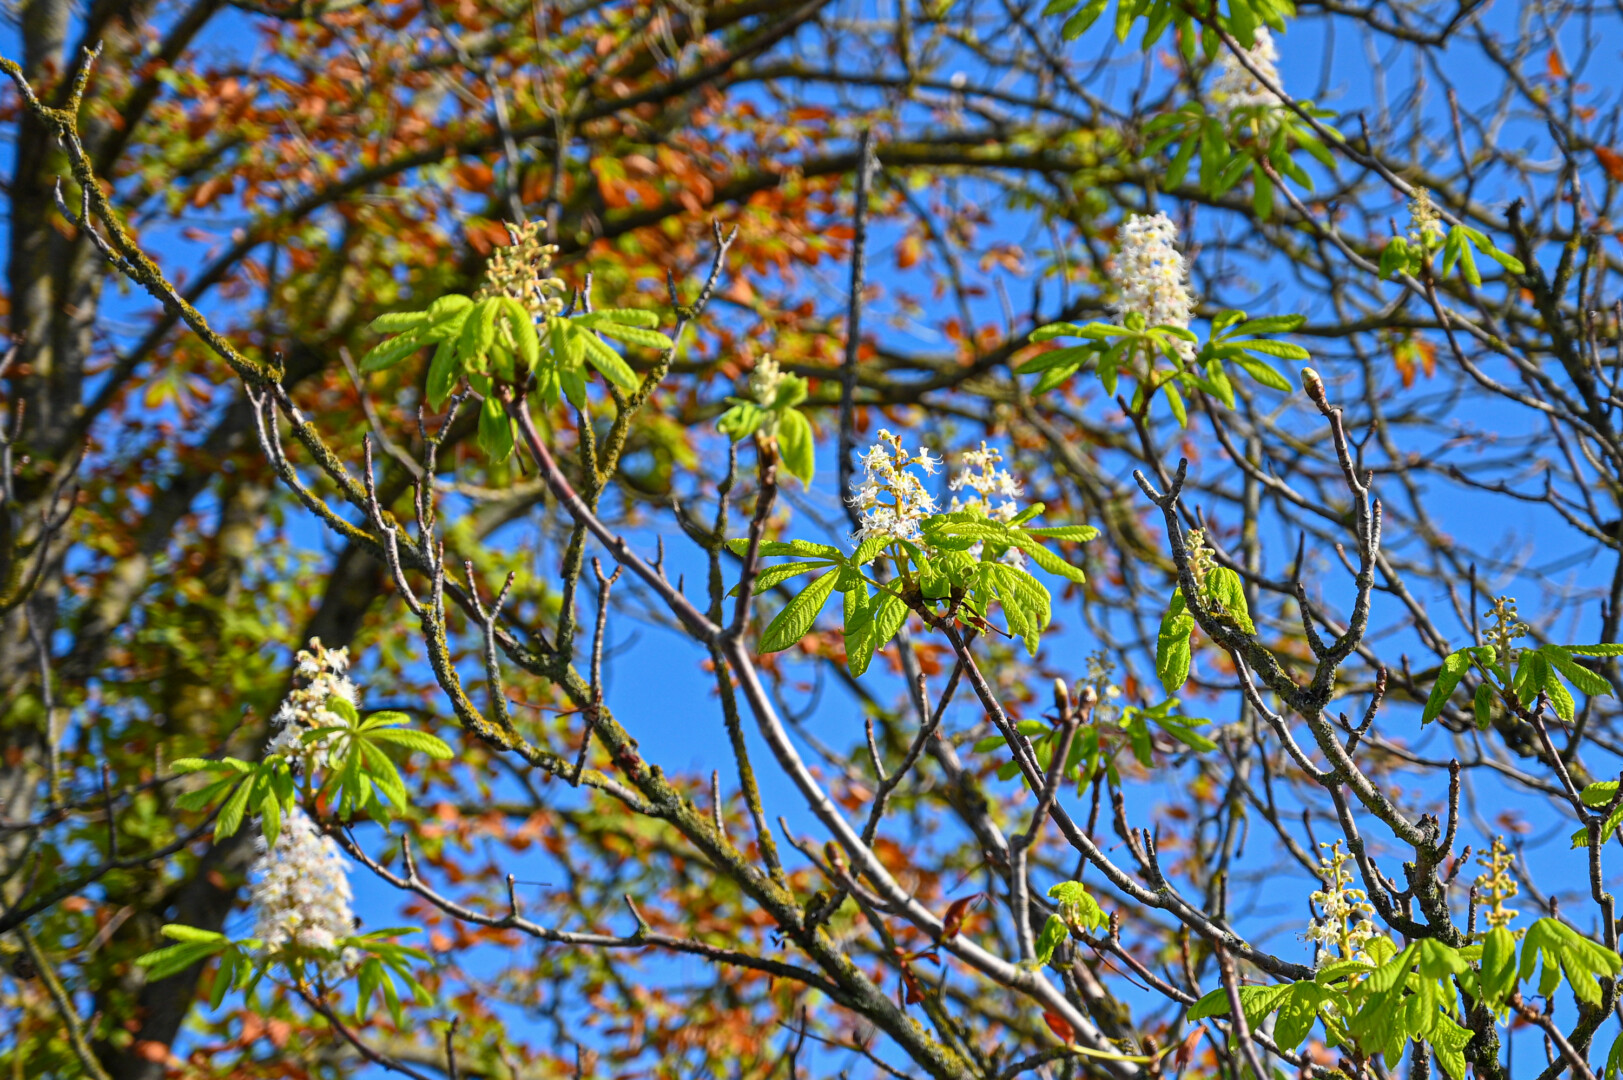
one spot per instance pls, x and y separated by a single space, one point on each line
1151 276
523 270
890 498
1236 88
765 379
990 489
1345 926
1497 886
320 673
301 893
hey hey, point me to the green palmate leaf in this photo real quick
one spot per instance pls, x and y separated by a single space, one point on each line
648 320
796 445
344 708
1070 357
1448 1041
1263 373
1453 669
741 545
635 335
1595 650
1532 674
232 812
270 816
1608 828
1599 793
774 575
182 932
1172 651
396 322
206 796
162 963
411 739
1045 558
1078 907
1054 932
1078 533
1025 603
1581 677
1284 350
225 976
1225 589
1262 196
1498 970
1256 1001
792 623
1175 402
1561 951
1394 257
610 364
742 420
386 354
1482 705
1299 1011
521 328
495 431
478 335
877 624
1556 691
442 374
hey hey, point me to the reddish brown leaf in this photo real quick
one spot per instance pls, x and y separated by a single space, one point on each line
954 919
1060 1027
1611 161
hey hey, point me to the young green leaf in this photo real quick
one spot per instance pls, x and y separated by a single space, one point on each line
1172 651
1054 932
796 445
792 623
1225 589
1453 669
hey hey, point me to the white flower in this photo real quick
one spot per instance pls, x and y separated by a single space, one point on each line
305 709
765 379
1236 88
1345 927
891 499
1150 274
301 892
981 476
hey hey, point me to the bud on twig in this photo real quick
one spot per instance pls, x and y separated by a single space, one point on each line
1313 385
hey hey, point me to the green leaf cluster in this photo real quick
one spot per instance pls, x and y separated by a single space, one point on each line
1242 18
1078 913
1380 1003
244 963
358 774
1410 256
939 575
1135 349
1545 670
495 341
1231 147
1096 745
1223 593
778 419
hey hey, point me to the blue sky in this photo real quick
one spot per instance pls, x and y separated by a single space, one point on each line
654 682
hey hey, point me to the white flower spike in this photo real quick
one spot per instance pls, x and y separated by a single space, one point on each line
891 500
984 481
321 670
1236 88
301 892
1151 275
